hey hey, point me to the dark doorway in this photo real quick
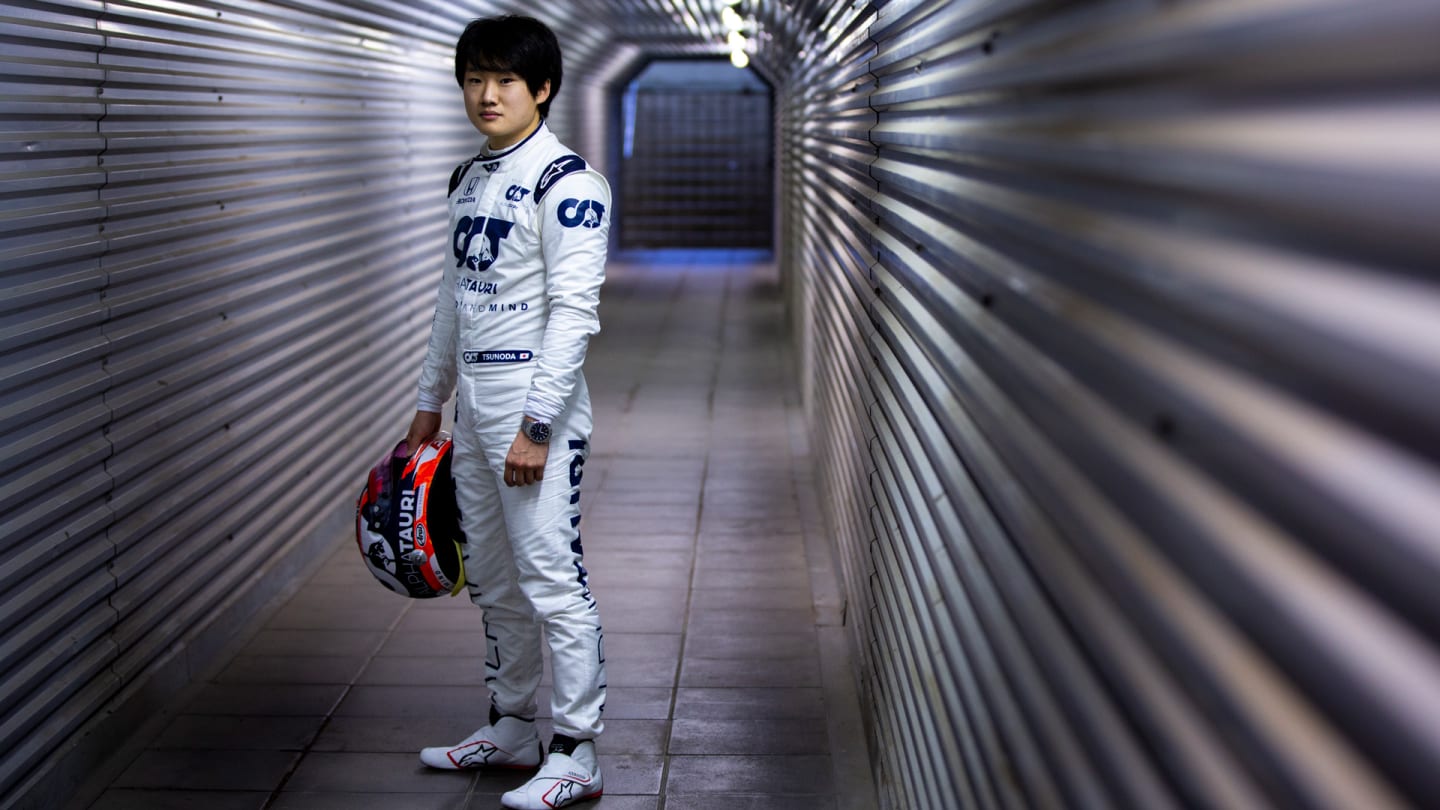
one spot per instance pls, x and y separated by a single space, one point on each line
697 158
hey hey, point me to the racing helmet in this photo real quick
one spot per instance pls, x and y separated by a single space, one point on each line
407 523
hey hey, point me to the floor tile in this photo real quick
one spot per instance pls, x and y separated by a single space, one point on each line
782 775
632 773
469 619
494 783
621 536
346 574
769 501
753 734
642 645
435 643
627 618
738 702
412 701
348 612
641 671
210 732
283 669
314 642
634 703
408 671
205 770
374 773
132 799
657 599
753 672
741 620
751 598
643 559
759 542
397 735
642 525
366 801
747 801
761 525
732 646
644 737
763 559
664 496
262 699
797 579
673 510
617 576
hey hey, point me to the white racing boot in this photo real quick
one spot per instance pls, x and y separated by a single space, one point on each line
508 742
562 781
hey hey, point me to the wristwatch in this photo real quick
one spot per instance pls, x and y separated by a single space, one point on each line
538 432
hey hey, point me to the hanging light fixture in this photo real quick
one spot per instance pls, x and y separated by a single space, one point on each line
736 26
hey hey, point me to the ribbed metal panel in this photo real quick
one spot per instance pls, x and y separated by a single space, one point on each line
1119 325
55 650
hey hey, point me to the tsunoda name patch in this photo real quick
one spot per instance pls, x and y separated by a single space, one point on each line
499 356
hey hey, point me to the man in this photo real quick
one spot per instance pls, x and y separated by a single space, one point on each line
529 225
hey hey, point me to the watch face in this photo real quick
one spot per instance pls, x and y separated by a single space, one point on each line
539 432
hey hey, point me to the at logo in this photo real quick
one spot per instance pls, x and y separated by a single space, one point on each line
587 213
555 171
491 167
516 193
484 749
491 230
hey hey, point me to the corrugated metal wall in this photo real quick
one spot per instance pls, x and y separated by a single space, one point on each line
1120 338
221 227
1117 326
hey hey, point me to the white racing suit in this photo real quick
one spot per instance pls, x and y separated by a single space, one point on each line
516 308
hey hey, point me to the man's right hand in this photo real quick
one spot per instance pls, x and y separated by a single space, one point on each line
422 429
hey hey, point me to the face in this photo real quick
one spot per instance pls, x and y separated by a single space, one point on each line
500 106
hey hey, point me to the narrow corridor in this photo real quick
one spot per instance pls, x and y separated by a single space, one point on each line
729 682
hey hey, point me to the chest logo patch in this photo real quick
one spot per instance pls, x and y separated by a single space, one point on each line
479 254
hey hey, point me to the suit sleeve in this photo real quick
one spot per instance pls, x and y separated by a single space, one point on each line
575 236
437 375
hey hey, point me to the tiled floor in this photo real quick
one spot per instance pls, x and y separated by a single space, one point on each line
728 681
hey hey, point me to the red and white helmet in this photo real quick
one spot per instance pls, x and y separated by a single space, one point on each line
408 525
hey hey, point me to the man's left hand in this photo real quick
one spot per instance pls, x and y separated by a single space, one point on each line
525 463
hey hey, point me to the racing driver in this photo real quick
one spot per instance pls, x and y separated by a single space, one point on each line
529 224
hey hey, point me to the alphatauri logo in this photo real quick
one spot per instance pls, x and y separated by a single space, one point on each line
479 257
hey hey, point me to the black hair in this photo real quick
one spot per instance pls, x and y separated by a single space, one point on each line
515 43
